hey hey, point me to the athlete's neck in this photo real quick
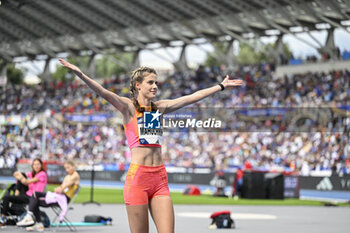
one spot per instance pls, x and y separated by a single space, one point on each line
144 102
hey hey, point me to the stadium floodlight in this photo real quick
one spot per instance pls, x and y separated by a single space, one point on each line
296 29
248 35
228 38
321 26
176 43
272 32
345 23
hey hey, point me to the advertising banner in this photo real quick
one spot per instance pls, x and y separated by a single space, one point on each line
338 183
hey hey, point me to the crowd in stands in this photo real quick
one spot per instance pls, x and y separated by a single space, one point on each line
324 57
274 148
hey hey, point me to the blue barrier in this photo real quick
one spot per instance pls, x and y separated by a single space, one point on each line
294 62
346 55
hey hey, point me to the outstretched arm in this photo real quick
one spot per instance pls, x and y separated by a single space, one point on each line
173 105
121 103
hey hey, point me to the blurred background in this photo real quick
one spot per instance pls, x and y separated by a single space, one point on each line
291 55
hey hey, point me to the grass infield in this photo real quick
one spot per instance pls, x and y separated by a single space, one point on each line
115 196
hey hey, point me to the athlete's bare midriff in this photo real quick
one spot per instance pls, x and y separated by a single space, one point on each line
148 156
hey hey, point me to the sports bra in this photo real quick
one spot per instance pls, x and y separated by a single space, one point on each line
71 190
144 129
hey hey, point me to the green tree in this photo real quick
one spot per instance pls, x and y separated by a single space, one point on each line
105 66
251 52
247 55
109 65
60 74
14 75
63 74
214 58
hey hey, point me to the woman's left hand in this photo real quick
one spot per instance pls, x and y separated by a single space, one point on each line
231 82
58 190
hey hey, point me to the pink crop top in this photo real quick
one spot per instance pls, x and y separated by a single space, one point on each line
144 129
38 186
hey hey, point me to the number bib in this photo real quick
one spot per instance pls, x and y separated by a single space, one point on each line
150 128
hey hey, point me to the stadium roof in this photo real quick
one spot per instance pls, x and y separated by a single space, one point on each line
30 28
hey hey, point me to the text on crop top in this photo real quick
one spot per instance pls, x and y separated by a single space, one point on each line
144 129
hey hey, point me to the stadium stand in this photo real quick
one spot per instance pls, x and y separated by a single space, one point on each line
28 32
325 149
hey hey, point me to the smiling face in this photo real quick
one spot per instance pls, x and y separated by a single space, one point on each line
139 79
37 167
148 87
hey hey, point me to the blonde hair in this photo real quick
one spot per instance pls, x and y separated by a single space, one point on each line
137 76
71 162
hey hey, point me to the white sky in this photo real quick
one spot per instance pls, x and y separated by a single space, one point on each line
161 58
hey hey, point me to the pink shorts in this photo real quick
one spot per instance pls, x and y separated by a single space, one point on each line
145 182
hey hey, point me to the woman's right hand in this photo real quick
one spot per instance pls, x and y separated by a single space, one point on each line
17 175
70 66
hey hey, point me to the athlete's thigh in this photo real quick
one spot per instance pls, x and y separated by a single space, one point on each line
138 218
161 208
